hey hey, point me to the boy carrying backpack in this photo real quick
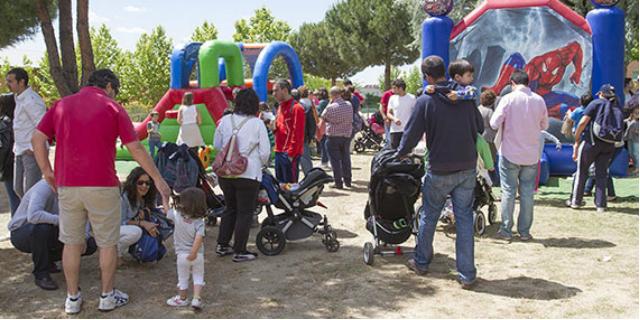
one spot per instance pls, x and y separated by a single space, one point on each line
597 134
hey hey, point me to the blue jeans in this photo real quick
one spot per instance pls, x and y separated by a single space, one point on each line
460 186
633 152
14 201
305 159
286 170
340 157
325 150
153 144
522 178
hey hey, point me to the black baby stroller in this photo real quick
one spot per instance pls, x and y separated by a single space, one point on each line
296 222
483 199
372 134
393 190
182 168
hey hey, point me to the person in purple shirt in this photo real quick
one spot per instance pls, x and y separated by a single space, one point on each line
519 118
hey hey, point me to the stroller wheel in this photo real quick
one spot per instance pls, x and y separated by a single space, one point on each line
479 223
493 213
270 241
331 241
359 146
368 253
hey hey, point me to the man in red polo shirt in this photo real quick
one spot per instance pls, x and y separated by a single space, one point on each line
384 108
86 126
289 133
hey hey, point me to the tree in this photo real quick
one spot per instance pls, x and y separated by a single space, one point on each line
316 49
205 32
263 27
149 72
17 21
62 64
314 82
395 74
373 32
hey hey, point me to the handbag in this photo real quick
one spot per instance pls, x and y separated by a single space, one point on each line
229 161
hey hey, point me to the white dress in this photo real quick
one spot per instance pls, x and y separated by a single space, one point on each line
189 130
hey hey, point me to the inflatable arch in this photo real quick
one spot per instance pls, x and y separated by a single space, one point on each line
266 57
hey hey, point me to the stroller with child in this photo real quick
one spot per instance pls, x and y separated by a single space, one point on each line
296 222
372 135
390 214
182 168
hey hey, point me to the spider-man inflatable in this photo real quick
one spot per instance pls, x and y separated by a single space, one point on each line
545 71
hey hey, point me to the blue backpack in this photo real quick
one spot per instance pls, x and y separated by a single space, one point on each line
148 248
608 125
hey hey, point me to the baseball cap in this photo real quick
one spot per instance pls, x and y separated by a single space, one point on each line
607 90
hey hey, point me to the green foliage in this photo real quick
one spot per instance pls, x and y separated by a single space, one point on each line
18 20
316 49
373 32
314 82
395 74
413 78
205 32
263 27
149 71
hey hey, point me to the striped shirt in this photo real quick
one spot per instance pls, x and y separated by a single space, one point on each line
339 118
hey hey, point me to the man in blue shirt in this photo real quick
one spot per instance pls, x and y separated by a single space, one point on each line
451 129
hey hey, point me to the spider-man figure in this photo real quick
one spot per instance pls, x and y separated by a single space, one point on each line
546 71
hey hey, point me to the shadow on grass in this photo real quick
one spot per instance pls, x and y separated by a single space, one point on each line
526 288
573 242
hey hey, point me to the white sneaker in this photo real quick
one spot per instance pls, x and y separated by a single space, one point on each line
176 301
196 303
113 300
73 306
600 210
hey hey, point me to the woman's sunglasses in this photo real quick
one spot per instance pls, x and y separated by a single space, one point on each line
141 182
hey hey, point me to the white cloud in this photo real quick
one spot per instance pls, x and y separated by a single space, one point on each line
95 18
136 30
134 9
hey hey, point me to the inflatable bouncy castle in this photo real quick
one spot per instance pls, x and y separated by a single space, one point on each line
564 54
219 68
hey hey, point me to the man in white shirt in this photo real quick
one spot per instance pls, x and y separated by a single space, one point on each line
29 111
400 109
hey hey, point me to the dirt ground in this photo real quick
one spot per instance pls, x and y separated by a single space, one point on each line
580 265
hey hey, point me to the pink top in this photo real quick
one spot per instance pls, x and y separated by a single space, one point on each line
86 126
523 114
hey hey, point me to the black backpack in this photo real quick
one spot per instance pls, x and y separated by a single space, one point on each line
608 124
310 125
6 148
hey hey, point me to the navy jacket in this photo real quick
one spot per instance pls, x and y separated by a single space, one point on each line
451 128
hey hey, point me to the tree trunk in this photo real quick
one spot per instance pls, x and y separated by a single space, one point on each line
333 81
67 47
84 40
55 69
387 76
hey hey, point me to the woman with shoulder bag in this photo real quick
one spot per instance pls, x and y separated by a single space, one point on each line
243 149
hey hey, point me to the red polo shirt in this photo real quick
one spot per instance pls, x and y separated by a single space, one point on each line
86 126
290 128
384 101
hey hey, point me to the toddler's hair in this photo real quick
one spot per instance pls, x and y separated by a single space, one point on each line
191 203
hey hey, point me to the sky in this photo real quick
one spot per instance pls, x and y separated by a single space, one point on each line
128 19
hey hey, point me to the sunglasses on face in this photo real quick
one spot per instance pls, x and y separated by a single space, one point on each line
142 182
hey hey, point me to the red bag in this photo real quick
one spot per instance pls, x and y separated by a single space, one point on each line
229 161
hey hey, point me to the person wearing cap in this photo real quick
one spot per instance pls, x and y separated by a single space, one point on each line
588 150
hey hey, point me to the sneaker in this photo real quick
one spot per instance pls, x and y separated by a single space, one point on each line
526 237
245 256
612 198
223 250
600 210
113 300
587 194
46 283
196 303
336 186
411 263
348 185
503 236
73 305
466 285
572 205
176 301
